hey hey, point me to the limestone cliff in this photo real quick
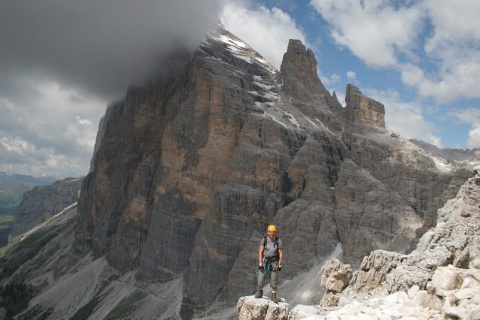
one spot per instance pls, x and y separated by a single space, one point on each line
190 168
361 110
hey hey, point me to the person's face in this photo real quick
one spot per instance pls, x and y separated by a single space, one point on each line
271 234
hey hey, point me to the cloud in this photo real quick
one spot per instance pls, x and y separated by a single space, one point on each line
330 81
454 45
266 30
470 117
405 117
98 46
375 31
60 127
63 61
435 45
474 137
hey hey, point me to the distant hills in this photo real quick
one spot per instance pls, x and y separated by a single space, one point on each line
13 186
32 181
453 155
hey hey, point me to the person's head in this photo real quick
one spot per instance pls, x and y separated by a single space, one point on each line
271 230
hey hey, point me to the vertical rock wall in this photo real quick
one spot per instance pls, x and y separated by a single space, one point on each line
189 170
361 110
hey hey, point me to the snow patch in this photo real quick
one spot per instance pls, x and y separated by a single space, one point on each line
230 41
244 58
264 86
311 122
275 119
291 118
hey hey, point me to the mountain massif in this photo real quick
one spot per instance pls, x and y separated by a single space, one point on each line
190 168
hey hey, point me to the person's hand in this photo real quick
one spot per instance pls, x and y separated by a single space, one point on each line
261 267
279 267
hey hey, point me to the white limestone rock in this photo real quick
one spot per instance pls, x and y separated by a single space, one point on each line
335 275
447 278
251 308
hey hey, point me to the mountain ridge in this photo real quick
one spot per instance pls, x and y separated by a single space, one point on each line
261 131
12 187
188 171
450 154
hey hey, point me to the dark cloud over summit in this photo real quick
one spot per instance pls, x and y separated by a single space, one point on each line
100 46
63 61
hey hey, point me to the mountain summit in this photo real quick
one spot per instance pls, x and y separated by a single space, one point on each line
190 168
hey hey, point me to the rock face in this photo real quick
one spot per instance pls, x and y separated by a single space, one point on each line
188 171
250 308
440 279
301 83
455 240
335 277
361 110
43 202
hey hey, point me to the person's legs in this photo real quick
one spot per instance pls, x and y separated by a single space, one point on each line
260 283
274 281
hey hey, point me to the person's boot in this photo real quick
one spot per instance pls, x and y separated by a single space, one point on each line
274 297
259 294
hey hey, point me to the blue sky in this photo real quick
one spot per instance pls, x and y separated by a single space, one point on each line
63 61
421 59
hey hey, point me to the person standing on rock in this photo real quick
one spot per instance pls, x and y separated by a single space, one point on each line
270 258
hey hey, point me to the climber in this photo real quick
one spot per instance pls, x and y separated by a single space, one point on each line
270 258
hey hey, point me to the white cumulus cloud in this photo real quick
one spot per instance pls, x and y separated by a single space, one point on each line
434 44
405 117
266 30
470 117
375 31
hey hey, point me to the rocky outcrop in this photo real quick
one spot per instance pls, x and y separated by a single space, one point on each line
361 110
250 308
335 277
388 194
301 82
452 293
41 203
439 279
454 241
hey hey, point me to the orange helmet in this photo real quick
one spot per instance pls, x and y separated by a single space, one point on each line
272 228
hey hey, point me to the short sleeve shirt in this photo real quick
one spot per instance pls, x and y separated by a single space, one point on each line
271 248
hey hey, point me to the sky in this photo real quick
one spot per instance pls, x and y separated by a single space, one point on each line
63 61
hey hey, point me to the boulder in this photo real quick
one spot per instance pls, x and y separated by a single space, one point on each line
335 275
251 308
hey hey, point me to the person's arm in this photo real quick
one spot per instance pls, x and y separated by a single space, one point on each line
260 255
280 256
